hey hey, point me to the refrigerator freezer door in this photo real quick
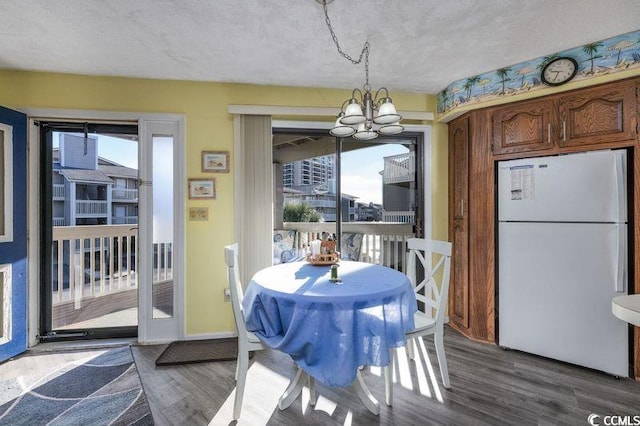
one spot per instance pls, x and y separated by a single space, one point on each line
585 187
556 283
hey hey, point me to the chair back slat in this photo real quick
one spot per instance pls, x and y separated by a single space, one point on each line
433 290
235 287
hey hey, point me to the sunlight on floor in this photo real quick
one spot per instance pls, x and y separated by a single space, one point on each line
424 372
264 388
259 377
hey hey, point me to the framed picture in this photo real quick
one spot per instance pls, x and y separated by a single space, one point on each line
215 161
202 188
199 213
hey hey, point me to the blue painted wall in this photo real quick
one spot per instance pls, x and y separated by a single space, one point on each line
15 252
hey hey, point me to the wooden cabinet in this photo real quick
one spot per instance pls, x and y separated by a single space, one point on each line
523 127
598 116
471 227
459 225
587 117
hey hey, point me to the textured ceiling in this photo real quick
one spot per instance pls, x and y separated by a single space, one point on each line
416 45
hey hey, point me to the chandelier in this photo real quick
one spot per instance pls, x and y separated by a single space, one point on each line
365 115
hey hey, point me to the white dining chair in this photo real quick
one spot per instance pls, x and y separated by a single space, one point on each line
435 257
247 341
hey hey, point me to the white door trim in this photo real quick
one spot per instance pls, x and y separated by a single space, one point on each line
161 330
33 203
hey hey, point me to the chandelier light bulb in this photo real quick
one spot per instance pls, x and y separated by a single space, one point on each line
391 129
387 113
341 130
353 114
364 133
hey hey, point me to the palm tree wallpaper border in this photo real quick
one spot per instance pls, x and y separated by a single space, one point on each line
604 57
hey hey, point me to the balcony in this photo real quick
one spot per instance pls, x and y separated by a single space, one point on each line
124 220
91 208
58 192
95 280
382 243
124 195
399 168
399 216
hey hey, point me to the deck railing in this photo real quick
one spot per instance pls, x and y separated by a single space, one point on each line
124 194
399 168
91 208
95 261
382 243
120 220
398 216
58 191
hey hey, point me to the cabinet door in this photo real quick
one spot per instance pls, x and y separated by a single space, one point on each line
523 127
599 115
458 220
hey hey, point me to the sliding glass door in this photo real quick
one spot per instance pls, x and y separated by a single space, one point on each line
370 194
89 199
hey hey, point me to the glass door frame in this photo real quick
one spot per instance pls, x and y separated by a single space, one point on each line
46 129
422 135
177 330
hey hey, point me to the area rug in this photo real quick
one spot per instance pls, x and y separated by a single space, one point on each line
104 390
190 351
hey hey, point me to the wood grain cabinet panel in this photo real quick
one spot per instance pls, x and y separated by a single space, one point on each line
598 116
523 127
458 221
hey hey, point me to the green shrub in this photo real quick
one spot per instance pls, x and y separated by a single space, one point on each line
300 212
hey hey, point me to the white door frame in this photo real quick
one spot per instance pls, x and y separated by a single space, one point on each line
175 332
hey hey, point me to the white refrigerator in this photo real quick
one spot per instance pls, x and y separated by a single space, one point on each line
562 257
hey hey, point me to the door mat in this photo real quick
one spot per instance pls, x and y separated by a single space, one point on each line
191 351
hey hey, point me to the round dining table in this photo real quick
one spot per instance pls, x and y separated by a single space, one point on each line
331 328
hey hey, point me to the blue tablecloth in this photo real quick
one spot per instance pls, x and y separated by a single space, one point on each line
329 329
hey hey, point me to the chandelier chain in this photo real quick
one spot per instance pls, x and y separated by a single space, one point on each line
364 53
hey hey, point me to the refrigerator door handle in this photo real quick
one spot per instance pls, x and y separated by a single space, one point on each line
621 258
620 188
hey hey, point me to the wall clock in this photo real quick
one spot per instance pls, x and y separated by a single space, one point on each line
559 71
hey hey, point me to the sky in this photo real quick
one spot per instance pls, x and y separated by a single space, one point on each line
361 171
122 151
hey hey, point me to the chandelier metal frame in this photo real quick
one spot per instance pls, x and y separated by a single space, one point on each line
359 113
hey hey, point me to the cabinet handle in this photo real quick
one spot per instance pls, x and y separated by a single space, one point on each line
549 133
461 207
564 131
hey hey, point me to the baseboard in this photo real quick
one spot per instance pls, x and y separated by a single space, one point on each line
204 336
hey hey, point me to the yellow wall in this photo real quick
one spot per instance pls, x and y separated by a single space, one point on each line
208 127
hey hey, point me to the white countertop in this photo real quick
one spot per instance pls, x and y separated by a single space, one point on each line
627 308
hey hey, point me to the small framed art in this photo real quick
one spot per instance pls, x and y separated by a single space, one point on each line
215 161
199 213
202 189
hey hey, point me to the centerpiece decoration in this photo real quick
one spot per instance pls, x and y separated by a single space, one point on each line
323 252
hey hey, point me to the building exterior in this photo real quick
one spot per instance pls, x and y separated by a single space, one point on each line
309 172
313 181
90 190
399 188
370 212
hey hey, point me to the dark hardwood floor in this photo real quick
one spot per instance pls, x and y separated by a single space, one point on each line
489 386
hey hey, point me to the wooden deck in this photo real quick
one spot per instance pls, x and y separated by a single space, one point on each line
111 310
